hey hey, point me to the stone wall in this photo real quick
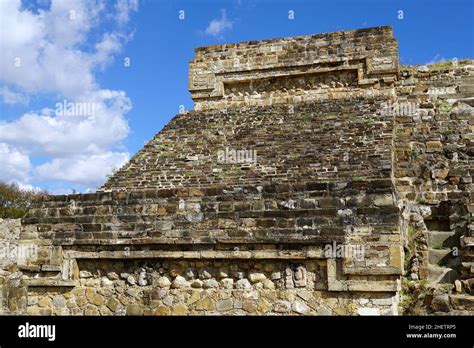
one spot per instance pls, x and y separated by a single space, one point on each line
360 62
278 136
9 236
433 149
181 287
12 294
282 219
340 185
247 233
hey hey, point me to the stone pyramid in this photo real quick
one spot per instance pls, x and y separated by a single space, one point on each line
289 189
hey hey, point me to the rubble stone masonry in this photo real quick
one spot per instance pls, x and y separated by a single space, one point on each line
355 160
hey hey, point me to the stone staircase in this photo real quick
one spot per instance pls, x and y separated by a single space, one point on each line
467 264
443 252
449 270
199 148
453 304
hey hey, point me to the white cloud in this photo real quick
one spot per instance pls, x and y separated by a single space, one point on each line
106 48
11 97
124 8
50 46
217 26
84 170
62 136
41 52
15 164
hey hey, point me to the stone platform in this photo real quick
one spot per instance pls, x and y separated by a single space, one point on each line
297 186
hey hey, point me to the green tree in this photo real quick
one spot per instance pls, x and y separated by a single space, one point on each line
14 202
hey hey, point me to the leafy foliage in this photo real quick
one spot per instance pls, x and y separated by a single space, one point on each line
14 202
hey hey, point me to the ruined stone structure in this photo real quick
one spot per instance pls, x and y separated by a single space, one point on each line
313 175
296 69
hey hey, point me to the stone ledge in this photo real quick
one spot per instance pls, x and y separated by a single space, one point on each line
258 254
119 196
197 241
51 268
373 271
45 282
335 284
29 268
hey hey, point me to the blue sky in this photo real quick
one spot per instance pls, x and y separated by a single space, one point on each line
82 59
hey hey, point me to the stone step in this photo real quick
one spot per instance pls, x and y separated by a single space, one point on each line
462 301
468 254
467 267
467 88
443 239
439 274
467 241
467 80
468 101
455 96
438 224
443 257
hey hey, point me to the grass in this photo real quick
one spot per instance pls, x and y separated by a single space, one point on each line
11 213
443 105
424 282
193 142
421 200
369 121
165 150
413 153
448 64
400 130
412 246
165 154
357 178
305 117
164 146
411 302
231 172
